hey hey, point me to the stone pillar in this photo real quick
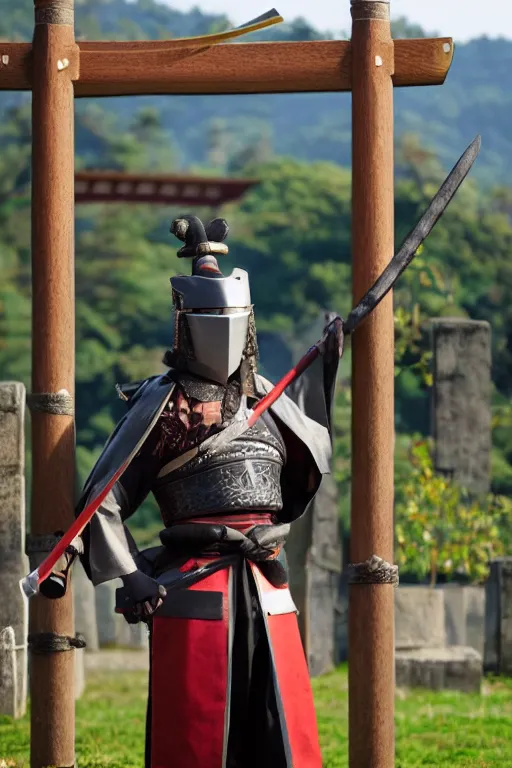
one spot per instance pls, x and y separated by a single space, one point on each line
297 550
461 392
8 673
464 608
84 612
113 630
13 561
325 568
79 672
498 618
314 563
84 600
314 547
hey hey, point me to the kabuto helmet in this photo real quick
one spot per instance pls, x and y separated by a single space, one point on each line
214 332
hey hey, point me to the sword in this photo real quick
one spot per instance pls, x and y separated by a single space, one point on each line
248 417
267 19
370 300
416 236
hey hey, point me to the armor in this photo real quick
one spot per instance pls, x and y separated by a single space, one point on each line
246 475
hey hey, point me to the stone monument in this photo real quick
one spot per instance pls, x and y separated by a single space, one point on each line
461 428
498 618
13 562
461 409
423 659
313 549
84 604
113 629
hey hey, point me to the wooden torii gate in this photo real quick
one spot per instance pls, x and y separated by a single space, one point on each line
56 69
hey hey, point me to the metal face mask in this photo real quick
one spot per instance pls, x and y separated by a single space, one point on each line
212 311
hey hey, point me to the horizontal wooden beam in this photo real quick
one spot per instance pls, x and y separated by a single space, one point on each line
15 66
129 69
251 68
117 187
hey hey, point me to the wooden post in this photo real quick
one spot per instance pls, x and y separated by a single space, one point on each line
371 606
53 351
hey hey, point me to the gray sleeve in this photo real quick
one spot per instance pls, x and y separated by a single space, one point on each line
111 546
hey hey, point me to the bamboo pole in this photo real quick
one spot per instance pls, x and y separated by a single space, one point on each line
53 323
371 605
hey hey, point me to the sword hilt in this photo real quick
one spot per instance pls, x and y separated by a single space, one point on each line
29 585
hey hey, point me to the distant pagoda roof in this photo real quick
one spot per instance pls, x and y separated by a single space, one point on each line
116 186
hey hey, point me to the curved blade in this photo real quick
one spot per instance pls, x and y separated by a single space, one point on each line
414 239
261 22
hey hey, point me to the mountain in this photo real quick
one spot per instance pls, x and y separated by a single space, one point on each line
476 97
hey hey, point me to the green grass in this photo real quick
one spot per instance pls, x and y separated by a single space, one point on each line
438 730
441 730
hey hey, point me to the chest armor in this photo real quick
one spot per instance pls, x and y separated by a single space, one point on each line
245 476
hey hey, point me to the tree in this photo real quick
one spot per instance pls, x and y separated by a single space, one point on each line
440 529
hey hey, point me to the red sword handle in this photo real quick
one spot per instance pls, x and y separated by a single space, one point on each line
30 583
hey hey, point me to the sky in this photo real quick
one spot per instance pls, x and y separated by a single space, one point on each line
460 19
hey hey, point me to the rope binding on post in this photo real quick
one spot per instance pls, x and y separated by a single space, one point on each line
57 403
374 571
49 642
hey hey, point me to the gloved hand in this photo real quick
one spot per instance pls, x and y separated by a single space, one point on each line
146 594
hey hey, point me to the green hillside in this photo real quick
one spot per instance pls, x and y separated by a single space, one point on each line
475 99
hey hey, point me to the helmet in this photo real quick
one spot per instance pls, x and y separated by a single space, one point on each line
213 312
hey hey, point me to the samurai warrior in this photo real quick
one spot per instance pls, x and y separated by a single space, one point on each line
229 683
232 462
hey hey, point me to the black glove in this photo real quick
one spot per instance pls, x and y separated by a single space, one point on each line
146 594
